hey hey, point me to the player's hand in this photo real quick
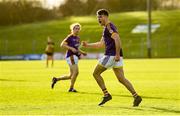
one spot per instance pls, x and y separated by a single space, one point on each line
84 43
84 53
117 58
74 50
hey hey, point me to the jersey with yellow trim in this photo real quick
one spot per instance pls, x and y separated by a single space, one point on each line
72 41
110 48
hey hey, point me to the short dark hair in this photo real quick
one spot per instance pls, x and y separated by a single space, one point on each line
102 12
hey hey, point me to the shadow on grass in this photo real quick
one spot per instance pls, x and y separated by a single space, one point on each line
144 97
13 80
127 108
164 109
141 108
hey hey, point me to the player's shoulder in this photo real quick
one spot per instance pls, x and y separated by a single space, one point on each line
111 27
69 36
78 37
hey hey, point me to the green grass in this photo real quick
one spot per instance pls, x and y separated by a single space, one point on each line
25 89
31 38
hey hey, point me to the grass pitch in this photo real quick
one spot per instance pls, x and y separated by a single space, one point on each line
25 88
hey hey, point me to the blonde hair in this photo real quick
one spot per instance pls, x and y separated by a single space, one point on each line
75 24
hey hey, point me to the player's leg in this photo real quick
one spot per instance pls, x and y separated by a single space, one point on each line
97 75
70 62
121 78
52 58
47 61
75 72
119 72
64 77
104 63
73 64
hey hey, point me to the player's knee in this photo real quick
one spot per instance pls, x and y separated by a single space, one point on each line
122 80
76 73
95 74
69 77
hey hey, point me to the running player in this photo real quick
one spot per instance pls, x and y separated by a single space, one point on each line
113 57
71 43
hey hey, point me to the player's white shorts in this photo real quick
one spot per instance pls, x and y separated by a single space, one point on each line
109 62
73 59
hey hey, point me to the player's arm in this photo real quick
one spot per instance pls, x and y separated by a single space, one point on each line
116 38
82 52
65 45
93 45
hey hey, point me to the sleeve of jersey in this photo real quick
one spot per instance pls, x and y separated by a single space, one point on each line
112 29
66 40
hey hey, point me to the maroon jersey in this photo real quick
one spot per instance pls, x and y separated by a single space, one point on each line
110 48
72 41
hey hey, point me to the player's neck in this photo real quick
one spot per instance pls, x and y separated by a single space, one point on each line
107 22
74 34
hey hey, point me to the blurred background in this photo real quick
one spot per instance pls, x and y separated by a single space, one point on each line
26 24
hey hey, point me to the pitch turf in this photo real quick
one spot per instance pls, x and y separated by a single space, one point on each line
25 89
